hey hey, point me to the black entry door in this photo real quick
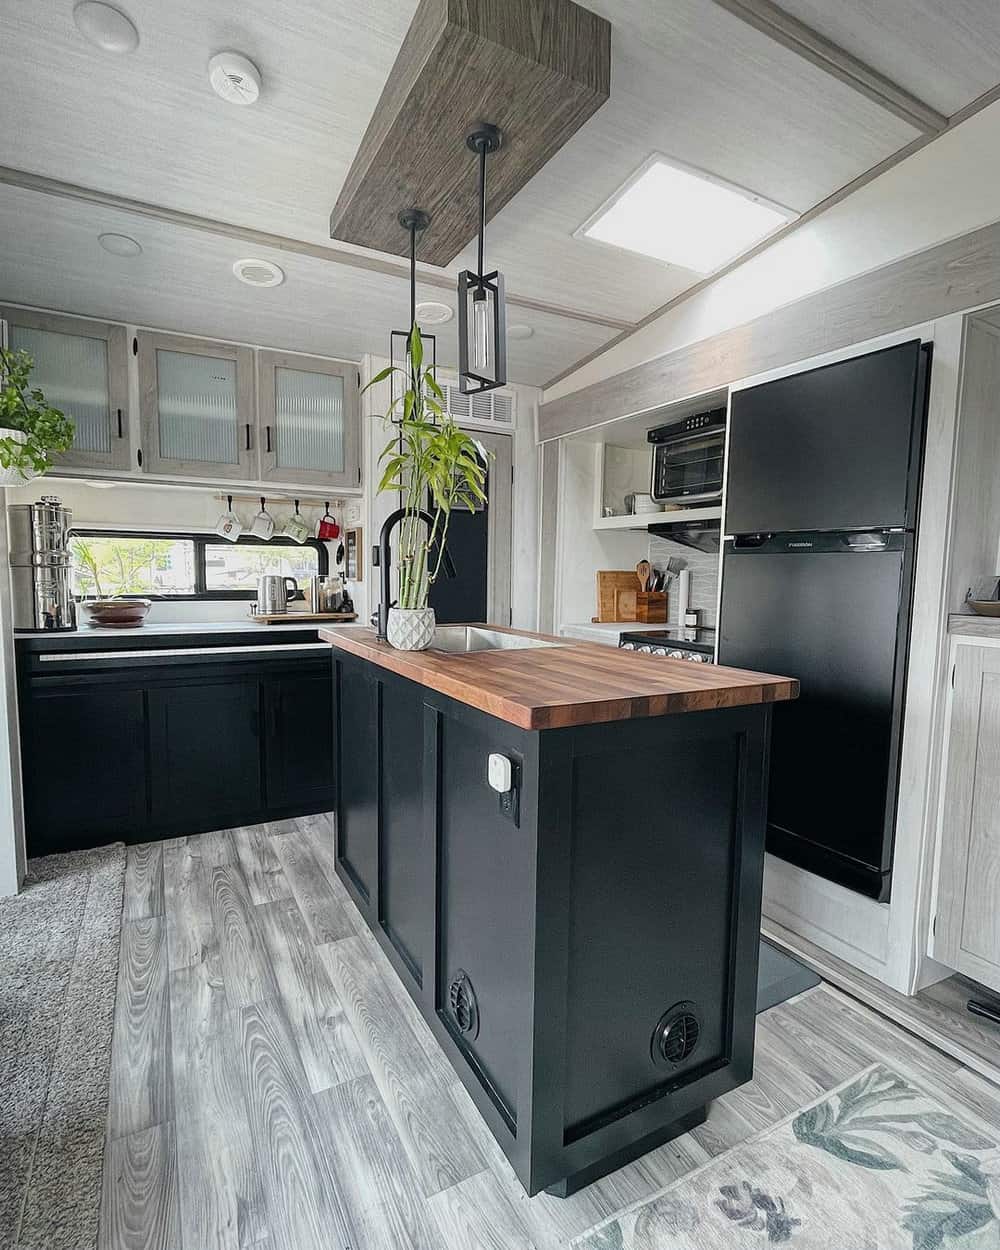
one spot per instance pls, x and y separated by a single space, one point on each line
464 597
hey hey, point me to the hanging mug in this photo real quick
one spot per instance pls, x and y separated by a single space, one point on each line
328 529
229 524
263 522
296 527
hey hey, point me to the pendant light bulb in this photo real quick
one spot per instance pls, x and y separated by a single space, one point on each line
480 332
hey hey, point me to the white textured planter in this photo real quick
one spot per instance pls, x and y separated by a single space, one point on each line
14 477
410 629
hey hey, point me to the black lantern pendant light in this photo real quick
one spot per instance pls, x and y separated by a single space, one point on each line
482 317
413 220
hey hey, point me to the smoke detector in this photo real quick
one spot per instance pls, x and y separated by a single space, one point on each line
233 77
433 313
255 272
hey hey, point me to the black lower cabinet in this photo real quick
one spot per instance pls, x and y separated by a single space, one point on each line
585 955
205 751
298 733
83 755
135 750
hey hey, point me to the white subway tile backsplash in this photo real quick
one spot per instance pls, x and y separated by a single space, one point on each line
704 569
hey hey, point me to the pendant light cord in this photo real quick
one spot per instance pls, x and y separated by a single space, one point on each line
482 206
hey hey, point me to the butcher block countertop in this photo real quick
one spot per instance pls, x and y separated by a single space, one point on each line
574 683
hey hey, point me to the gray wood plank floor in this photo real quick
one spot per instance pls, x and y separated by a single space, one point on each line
273 1087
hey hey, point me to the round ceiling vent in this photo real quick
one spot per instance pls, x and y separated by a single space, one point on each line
105 27
120 244
256 272
432 313
518 331
233 77
676 1035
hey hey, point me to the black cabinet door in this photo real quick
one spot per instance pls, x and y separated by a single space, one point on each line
829 449
298 737
84 759
358 744
205 754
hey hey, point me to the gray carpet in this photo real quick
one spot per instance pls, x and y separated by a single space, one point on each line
59 942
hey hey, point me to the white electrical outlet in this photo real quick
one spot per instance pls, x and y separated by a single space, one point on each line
500 773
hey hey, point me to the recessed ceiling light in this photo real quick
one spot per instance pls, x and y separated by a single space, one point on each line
684 217
233 77
256 272
432 313
106 28
120 244
519 331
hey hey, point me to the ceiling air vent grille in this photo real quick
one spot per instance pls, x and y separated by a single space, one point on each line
487 408
676 1035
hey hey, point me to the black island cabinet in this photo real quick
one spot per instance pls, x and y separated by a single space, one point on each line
583 946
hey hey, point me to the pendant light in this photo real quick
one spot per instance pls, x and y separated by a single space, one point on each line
482 318
413 220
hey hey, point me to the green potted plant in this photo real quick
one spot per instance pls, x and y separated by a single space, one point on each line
30 429
436 467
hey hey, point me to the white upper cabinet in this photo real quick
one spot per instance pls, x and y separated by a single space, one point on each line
197 409
81 366
309 416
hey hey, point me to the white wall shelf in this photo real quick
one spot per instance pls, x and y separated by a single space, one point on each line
642 521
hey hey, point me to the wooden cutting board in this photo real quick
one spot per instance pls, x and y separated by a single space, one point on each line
609 582
295 618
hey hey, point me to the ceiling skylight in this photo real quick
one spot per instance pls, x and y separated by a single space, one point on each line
684 217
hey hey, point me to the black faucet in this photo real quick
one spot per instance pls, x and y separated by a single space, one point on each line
382 557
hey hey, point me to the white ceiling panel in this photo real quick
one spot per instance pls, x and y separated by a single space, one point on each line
693 82
183 281
149 126
946 54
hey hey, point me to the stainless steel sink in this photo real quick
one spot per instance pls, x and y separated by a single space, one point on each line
473 638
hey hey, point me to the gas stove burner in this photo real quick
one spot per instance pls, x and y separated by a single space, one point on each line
675 643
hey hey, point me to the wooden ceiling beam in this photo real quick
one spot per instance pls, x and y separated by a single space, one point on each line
537 69
787 30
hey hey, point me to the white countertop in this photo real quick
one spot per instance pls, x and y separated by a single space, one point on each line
191 628
605 631
973 625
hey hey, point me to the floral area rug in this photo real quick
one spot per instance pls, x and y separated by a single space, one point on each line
875 1165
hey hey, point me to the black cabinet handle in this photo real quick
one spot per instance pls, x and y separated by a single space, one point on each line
267 432
119 423
248 436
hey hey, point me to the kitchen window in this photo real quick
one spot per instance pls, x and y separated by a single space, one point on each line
185 566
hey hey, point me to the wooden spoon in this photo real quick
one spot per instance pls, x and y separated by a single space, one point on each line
642 571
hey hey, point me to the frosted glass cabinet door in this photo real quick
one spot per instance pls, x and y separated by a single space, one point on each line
309 419
196 404
81 366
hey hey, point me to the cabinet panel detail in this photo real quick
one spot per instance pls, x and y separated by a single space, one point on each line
309 419
82 368
358 695
196 403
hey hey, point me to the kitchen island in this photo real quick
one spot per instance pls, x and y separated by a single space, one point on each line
560 848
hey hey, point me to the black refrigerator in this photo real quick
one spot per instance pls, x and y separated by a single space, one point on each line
821 511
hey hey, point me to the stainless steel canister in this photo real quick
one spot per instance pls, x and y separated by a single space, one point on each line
41 566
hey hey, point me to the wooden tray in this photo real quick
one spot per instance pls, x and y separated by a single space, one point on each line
291 618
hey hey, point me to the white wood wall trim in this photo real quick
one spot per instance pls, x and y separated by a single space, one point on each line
787 30
356 260
952 277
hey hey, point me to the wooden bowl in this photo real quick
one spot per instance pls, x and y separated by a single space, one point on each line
985 607
117 613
